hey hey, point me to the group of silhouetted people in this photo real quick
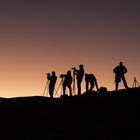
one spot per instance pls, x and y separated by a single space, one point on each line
90 79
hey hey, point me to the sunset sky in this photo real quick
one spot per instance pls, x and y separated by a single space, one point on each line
38 37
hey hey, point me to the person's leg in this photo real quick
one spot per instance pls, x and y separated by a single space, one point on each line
79 87
51 90
64 89
124 82
87 84
117 80
70 90
91 86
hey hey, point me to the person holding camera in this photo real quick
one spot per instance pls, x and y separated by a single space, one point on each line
90 79
79 76
67 82
52 79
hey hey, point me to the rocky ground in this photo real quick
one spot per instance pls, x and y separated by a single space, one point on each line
93 116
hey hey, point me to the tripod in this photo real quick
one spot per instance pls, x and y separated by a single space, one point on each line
46 87
135 83
73 82
60 84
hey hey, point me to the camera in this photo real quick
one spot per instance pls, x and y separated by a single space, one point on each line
62 75
73 68
48 75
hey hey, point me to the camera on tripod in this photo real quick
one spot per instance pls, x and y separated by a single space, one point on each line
73 68
48 74
62 75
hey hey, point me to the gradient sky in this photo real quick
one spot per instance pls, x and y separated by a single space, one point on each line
37 37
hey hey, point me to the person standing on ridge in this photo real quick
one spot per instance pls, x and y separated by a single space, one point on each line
119 71
52 79
79 76
67 82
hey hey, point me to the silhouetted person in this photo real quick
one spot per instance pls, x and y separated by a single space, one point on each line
52 79
79 76
67 82
90 79
119 71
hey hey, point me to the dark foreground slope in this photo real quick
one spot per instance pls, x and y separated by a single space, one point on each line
110 116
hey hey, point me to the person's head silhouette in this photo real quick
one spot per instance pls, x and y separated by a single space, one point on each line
53 73
121 63
81 66
68 72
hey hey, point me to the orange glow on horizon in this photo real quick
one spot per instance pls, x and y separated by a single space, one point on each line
38 38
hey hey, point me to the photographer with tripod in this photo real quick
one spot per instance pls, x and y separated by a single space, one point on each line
52 78
79 76
67 82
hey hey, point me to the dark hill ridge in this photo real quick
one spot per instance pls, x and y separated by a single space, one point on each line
110 116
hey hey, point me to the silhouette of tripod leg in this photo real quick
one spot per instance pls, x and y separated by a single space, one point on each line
58 87
45 87
138 84
135 83
55 92
73 82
